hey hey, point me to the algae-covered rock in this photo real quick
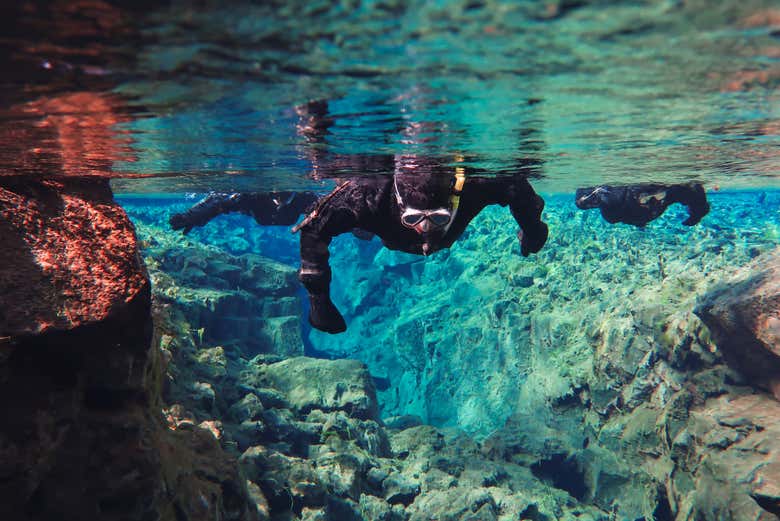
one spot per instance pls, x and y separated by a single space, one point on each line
265 277
400 489
248 408
212 363
310 383
246 301
377 509
737 455
406 421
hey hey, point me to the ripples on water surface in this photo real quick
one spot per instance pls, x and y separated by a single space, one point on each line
200 98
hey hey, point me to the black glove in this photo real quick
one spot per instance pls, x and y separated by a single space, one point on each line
698 206
324 316
179 221
533 240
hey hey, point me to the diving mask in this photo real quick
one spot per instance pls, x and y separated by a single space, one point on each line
438 218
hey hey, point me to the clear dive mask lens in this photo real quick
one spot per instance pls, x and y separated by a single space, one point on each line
438 218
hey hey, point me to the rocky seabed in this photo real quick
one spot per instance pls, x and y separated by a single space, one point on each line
621 374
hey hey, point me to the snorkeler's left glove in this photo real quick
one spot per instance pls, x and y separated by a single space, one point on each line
696 201
531 241
179 221
324 316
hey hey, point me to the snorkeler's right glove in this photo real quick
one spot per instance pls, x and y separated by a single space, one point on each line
179 221
531 241
694 197
324 316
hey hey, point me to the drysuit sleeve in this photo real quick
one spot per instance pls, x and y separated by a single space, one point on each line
693 197
271 208
524 203
202 212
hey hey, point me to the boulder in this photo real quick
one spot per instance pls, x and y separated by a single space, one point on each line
738 456
249 301
743 315
400 489
247 408
75 332
406 421
329 385
70 258
83 435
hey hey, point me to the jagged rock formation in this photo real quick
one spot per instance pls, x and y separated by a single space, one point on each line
602 398
743 314
247 302
82 435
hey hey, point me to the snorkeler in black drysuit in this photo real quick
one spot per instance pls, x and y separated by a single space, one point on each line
422 208
639 204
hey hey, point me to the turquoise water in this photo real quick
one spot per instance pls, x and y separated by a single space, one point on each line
582 368
435 327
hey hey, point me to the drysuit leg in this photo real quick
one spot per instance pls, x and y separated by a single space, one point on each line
315 274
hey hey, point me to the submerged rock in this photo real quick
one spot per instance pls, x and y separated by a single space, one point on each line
328 385
743 315
69 257
738 454
83 436
600 403
246 301
76 332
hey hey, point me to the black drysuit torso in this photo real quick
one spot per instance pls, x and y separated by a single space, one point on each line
370 204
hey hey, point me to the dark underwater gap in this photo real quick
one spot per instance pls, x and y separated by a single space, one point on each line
562 472
663 509
103 398
280 500
767 503
531 513
341 510
116 505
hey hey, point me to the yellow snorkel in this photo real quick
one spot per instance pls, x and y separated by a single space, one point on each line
457 189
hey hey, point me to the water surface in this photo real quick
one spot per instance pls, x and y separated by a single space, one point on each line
201 98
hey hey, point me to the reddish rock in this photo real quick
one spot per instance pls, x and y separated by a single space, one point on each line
763 18
70 256
743 315
83 436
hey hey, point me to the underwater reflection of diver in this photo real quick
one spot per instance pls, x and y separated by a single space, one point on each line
641 203
422 208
